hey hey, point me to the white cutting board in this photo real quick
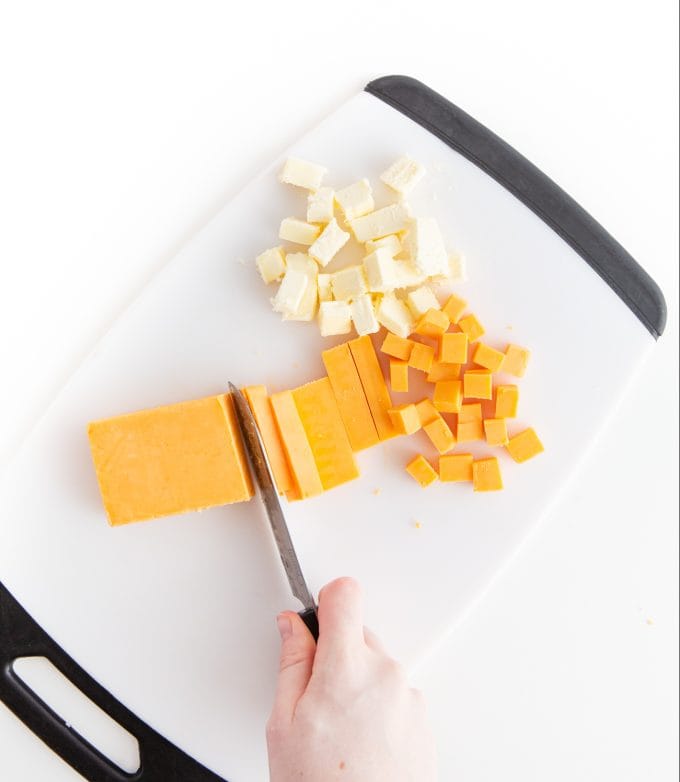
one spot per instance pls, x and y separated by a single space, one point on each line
176 617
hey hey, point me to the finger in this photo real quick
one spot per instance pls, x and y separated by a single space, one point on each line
372 641
340 617
295 665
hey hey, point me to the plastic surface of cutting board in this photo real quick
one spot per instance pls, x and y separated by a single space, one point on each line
175 618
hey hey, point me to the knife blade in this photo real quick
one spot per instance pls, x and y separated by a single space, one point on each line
264 478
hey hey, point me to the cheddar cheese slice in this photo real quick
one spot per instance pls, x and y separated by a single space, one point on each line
326 433
295 443
349 394
171 459
375 388
266 423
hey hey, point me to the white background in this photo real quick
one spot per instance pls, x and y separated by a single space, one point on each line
124 126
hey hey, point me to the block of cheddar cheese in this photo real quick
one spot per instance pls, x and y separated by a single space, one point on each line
373 382
172 459
266 423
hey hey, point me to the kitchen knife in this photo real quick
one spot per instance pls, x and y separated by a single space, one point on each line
270 497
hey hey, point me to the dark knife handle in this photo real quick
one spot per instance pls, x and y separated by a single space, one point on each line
310 618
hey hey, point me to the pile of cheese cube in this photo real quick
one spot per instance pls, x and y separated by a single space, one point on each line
401 254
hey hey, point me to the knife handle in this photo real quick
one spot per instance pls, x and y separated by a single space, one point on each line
310 618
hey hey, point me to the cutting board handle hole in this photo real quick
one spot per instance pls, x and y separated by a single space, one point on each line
79 712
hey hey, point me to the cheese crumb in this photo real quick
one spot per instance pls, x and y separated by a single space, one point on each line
298 231
349 283
335 317
388 220
380 271
291 291
330 242
394 315
417 525
320 205
421 300
302 173
356 200
425 246
363 315
271 264
377 491
403 175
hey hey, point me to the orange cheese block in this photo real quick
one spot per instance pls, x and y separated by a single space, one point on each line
470 411
269 431
507 398
471 326
467 431
398 375
397 347
405 418
477 384
326 433
453 347
432 324
296 444
496 431
443 371
516 360
487 357
423 472
448 395
422 357
455 467
440 434
427 412
373 382
486 475
454 308
170 459
350 396
524 445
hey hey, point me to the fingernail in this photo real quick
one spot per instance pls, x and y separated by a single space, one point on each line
284 624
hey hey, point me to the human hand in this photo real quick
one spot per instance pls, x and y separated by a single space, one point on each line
343 708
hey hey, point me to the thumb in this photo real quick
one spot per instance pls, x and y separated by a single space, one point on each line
295 668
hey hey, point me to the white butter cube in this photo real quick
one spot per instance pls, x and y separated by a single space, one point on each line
381 272
388 220
335 317
323 282
421 300
290 292
301 262
331 240
320 205
425 246
298 231
394 315
390 242
349 283
271 264
407 274
363 315
403 175
356 200
302 173
306 310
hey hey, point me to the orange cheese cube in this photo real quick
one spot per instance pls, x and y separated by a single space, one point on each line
295 442
496 431
486 475
397 347
172 459
471 326
477 384
326 433
405 418
454 308
470 411
398 375
427 412
448 395
422 357
507 398
441 371
468 431
373 382
453 348
432 324
516 360
350 396
487 357
455 467
266 423
440 434
420 469
524 445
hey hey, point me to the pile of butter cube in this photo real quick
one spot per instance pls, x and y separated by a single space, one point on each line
403 255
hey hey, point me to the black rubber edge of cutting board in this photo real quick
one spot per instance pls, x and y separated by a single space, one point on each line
160 760
533 188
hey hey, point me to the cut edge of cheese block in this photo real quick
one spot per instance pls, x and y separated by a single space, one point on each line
320 415
350 397
374 385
